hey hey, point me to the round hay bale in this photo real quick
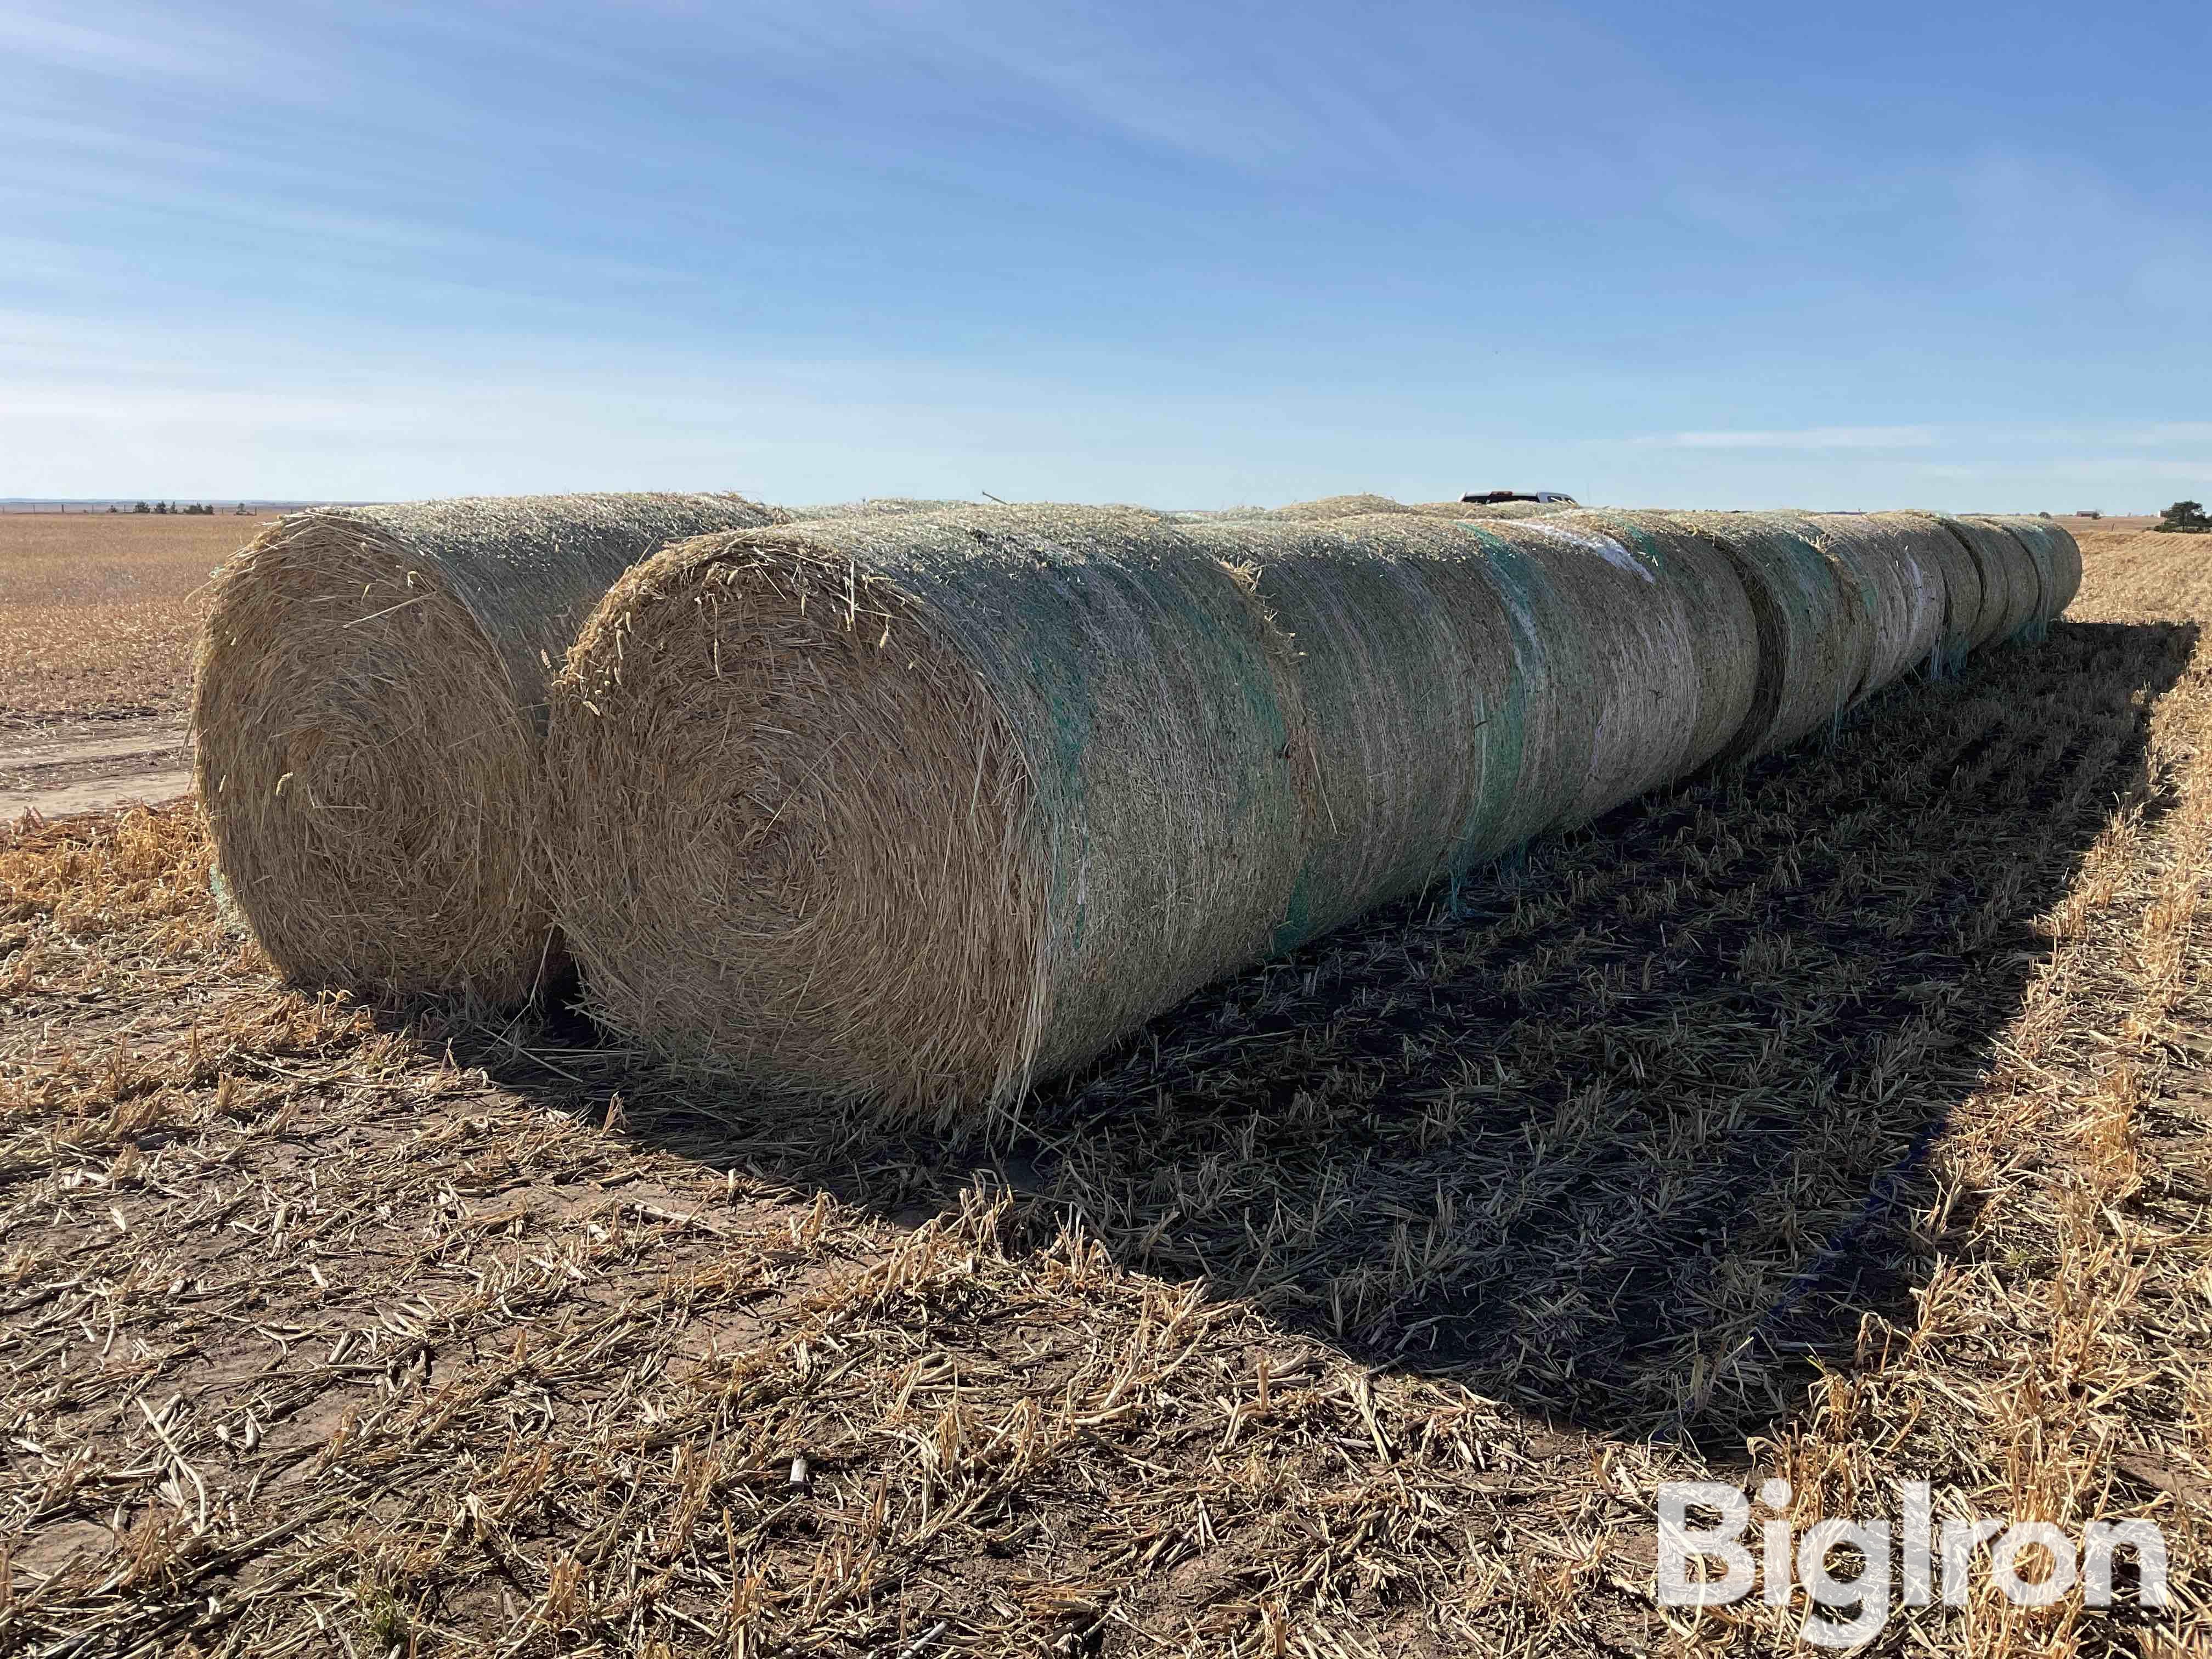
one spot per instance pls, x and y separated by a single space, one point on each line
919 807
1993 584
2056 559
1636 663
2012 588
1707 608
2033 575
1813 619
2064 554
368 706
1442 702
1900 582
1957 572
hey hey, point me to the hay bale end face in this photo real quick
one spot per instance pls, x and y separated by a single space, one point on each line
368 706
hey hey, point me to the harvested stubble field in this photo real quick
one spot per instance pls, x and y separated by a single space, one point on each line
1841 1118
98 612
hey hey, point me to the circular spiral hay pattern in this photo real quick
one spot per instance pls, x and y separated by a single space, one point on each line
918 807
368 705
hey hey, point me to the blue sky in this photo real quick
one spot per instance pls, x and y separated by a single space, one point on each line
1189 254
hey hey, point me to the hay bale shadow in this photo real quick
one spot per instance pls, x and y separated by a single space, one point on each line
1627 1133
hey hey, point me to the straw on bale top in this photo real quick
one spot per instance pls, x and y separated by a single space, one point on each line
877 507
1361 506
1330 508
914 806
1334 507
368 704
1496 509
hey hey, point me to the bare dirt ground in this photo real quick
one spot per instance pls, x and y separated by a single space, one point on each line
1841 1120
84 766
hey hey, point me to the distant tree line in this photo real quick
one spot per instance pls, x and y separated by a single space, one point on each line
204 509
2188 518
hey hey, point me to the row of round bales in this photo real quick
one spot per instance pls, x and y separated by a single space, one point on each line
920 802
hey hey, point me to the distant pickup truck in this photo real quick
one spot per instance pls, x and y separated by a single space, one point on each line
1495 497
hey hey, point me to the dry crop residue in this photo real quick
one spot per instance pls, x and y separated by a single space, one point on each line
98 612
1838 1118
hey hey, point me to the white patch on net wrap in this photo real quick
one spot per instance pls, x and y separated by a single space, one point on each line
1604 546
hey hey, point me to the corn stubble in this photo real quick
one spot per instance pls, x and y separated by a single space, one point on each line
1835 1118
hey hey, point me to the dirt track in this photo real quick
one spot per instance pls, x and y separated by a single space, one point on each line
88 765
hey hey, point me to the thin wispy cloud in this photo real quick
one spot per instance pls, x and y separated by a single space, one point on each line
142 43
30 38
1811 438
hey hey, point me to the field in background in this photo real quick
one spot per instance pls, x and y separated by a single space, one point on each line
98 612
1841 1118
